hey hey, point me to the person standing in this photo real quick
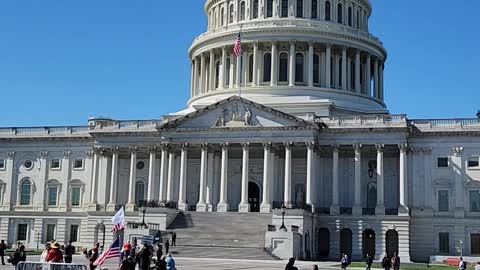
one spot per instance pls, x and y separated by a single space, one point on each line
386 263
55 255
395 261
174 239
161 264
92 255
167 246
344 261
159 251
19 255
462 265
3 247
144 257
170 262
291 264
69 250
368 262
477 267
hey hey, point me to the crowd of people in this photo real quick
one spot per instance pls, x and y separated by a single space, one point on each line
131 255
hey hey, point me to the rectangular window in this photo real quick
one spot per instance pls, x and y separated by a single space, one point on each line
300 8
473 162
444 243
475 201
442 162
50 232
443 203
52 196
284 8
78 164
269 8
74 233
75 196
22 230
475 243
55 164
2 164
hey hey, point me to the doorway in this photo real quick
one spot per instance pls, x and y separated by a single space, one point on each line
369 243
346 242
392 242
254 197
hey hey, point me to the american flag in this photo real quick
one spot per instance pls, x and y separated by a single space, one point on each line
237 50
118 220
112 252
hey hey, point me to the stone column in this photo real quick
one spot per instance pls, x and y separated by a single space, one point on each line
288 176
94 185
192 80
357 72
375 74
368 82
151 173
171 175
266 206
244 206
273 73
335 208
133 177
291 72
310 64
310 171
63 189
403 210
328 67
162 195
211 73
231 72
223 204
202 205
114 181
10 188
380 83
209 187
458 169
182 191
195 76
221 76
255 61
357 207
344 68
380 209
429 193
202 74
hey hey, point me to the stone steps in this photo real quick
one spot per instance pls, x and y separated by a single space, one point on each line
221 253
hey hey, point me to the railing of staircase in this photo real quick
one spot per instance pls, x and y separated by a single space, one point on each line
391 212
158 204
368 211
294 205
345 210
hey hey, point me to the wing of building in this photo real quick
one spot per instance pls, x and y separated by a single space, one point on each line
299 120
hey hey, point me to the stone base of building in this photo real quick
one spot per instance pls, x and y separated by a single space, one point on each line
223 207
183 206
244 207
202 207
266 208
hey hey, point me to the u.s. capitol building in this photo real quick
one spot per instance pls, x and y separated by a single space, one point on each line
299 120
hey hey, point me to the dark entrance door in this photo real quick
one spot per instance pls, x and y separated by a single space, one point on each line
368 243
254 197
346 242
392 242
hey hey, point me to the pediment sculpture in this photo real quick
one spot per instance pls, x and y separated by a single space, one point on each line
233 116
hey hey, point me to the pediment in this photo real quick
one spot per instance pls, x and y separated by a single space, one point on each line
236 112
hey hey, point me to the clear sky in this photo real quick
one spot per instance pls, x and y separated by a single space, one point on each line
64 61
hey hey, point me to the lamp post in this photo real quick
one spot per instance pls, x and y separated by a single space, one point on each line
37 234
144 210
461 248
283 228
101 226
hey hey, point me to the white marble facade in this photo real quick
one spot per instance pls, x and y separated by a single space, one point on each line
321 142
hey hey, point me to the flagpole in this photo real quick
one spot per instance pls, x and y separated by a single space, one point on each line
241 64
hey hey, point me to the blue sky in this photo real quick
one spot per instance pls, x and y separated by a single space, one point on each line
64 61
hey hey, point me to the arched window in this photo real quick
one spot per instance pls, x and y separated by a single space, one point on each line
284 9
269 8
332 73
230 18
227 72
314 9
139 191
299 61
242 11
222 17
328 13
350 16
340 13
316 69
250 68
267 67
25 192
300 8
255 9
283 72
217 74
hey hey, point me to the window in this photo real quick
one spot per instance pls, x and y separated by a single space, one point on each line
230 18
267 67
283 74
222 17
475 243
314 9
25 192
284 9
340 13
300 8
242 11
473 162
52 195
255 9
299 60
50 232
443 203
75 196
227 72
78 164
316 69
28 164
217 74
444 243
474 201
74 233
139 191
250 68
350 16
352 74
140 165
22 230
358 19
328 11
442 162
55 164
2 164
269 8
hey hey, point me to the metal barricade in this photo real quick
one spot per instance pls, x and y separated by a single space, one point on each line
49 266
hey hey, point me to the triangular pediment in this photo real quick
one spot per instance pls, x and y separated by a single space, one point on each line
236 112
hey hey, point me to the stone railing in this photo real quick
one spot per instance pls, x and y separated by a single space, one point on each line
110 125
44 132
379 121
459 124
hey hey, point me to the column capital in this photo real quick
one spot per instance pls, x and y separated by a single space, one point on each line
403 147
293 42
288 145
184 146
311 43
67 153
245 146
204 146
357 147
427 150
380 147
335 148
43 154
311 145
11 154
90 154
133 149
153 149
224 145
457 151
164 146
267 145
328 46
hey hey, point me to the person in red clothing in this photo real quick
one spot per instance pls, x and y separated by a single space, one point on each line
55 255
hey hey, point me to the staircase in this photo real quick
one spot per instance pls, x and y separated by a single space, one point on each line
221 235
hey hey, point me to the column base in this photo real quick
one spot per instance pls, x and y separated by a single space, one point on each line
334 210
380 211
93 207
403 211
209 207
222 207
244 208
202 207
357 211
182 206
130 207
111 207
265 208
288 205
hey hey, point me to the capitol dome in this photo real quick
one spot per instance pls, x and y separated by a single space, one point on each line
298 56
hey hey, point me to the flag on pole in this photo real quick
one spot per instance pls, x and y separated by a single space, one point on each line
237 49
118 220
112 252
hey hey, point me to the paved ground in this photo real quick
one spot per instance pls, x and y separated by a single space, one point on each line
210 264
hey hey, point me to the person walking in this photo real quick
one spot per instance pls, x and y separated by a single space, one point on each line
344 262
92 255
144 257
167 246
55 255
159 251
69 250
170 262
44 255
368 262
462 265
386 263
315 267
395 261
174 239
291 264
3 247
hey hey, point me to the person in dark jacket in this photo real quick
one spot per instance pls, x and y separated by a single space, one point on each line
291 265
159 251
386 263
3 247
167 246
162 264
368 262
144 257
69 250
395 261
174 239
92 255
18 256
